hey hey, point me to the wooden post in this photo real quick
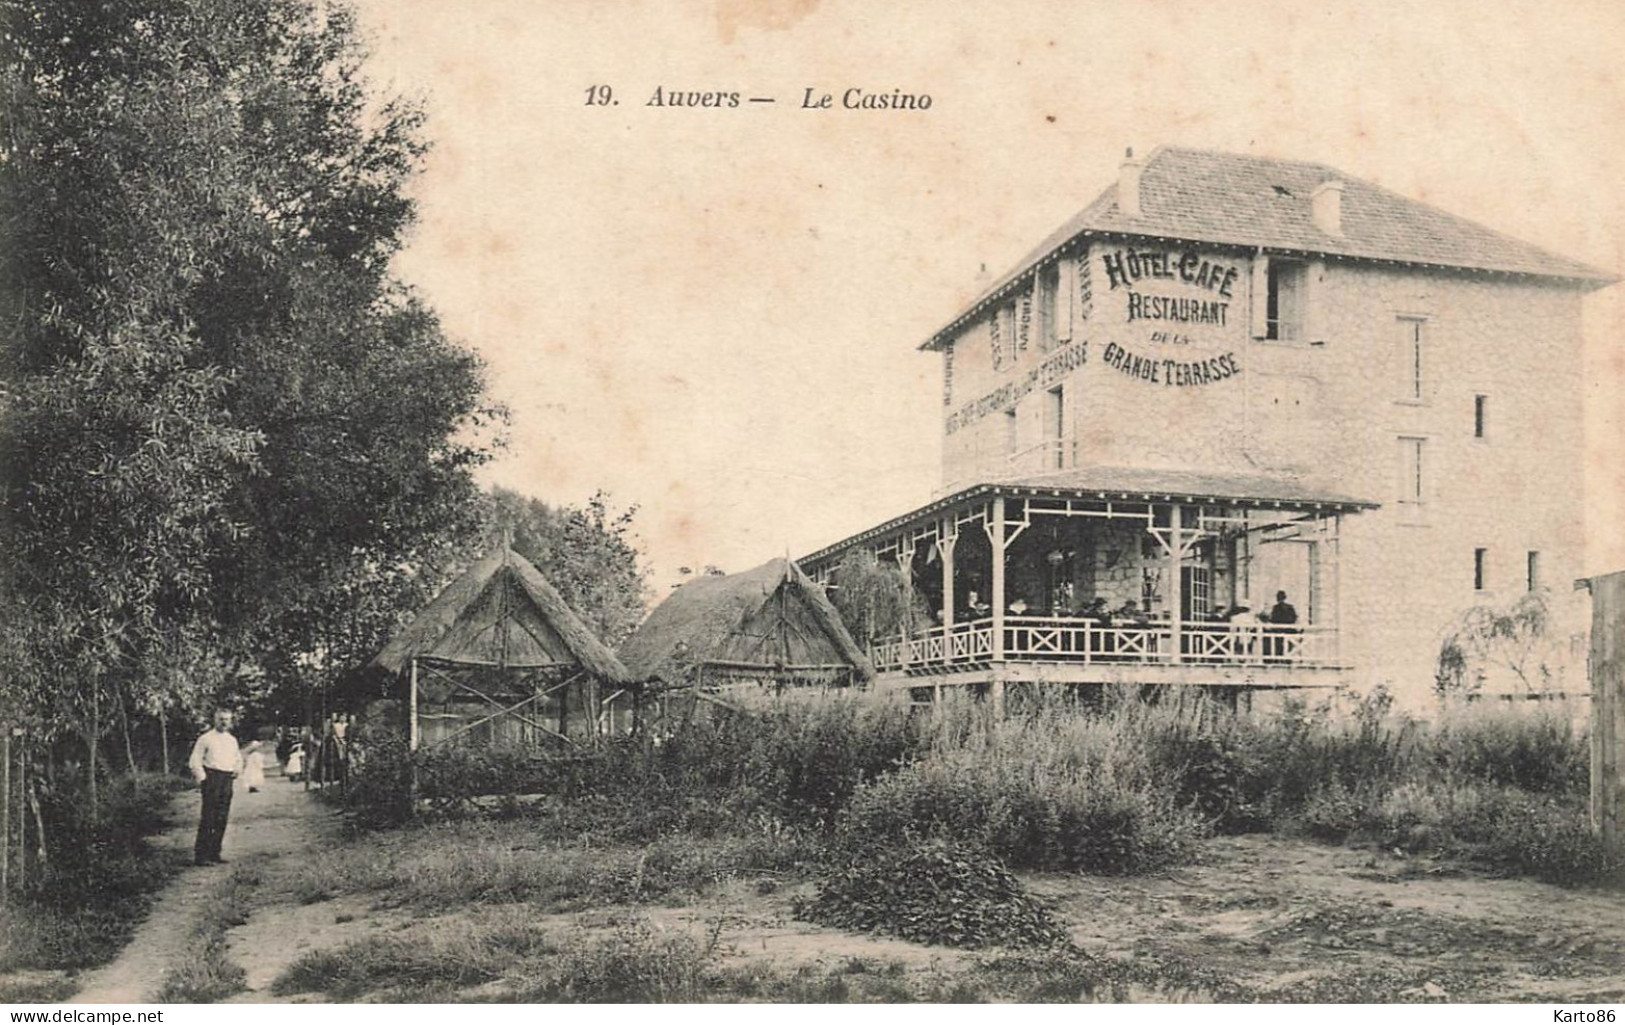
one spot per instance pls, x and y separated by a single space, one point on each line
5 817
945 545
905 632
1176 585
996 536
1607 670
412 741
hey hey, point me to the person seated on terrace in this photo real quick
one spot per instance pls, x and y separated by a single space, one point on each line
1019 607
978 608
1131 612
1096 610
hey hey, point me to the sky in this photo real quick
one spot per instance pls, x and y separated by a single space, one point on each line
713 313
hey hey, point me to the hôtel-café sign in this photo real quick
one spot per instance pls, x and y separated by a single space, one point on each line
1213 284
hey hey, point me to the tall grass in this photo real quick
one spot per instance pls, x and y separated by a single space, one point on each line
1125 785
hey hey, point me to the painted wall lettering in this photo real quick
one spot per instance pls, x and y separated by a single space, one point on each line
1063 362
1124 267
1185 311
1170 372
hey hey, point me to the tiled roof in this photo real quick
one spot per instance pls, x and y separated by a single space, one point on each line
1129 484
1229 199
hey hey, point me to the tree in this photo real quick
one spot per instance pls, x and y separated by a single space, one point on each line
228 436
1516 637
589 554
875 601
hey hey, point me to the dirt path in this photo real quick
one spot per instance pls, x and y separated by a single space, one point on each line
267 827
1296 921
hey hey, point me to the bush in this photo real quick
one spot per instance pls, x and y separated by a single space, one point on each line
1056 791
102 874
940 893
1537 750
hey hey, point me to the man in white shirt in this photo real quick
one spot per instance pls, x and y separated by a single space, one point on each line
215 762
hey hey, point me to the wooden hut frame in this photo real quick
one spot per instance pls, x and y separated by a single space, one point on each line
493 650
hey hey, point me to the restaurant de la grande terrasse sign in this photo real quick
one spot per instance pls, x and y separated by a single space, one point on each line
1168 321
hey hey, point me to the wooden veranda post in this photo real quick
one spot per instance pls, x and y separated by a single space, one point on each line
1607 671
1176 582
996 536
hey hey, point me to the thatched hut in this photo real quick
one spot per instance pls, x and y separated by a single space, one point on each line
770 626
498 657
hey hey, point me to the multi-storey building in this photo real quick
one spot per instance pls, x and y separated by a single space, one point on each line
1227 379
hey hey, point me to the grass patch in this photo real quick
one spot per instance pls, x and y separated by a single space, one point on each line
451 865
208 974
49 989
427 964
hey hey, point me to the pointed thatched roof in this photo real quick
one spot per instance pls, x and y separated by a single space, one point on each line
502 612
771 621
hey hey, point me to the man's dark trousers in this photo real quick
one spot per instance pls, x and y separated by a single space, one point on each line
211 826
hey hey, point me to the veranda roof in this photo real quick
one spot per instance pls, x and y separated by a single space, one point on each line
1130 484
501 613
771 619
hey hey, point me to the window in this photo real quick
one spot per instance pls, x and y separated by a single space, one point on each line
1196 592
1481 404
1010 431
1410 471
1056 415
1534 571
1480 558
1283 305
1049 288
1410 358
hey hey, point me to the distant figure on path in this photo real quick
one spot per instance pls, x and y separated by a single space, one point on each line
294 766
254 766
214 763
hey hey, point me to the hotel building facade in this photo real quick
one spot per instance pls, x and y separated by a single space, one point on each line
1226 379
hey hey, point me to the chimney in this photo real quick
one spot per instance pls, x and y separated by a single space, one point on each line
1326 207
1128 184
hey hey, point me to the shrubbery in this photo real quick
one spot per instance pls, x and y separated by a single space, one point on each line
101 877
1130 787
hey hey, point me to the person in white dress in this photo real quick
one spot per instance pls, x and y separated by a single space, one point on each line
254 766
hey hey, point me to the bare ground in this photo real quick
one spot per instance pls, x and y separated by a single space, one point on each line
1259 918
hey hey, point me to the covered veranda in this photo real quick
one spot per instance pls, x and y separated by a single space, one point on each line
1105 575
